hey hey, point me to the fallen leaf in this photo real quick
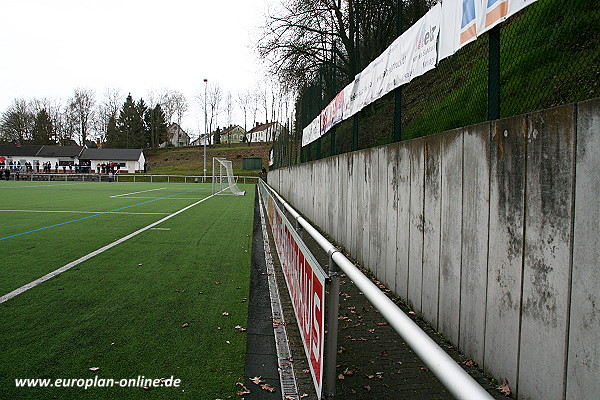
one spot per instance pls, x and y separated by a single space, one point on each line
256 380
341 376
267 387
367 387
93 368
217 283
504 389
226 314
228 342
370 376
469 363
185 325
239 328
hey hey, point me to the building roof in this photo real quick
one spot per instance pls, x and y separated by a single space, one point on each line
111 154
232 128
261 127
24 150
174 127
60 151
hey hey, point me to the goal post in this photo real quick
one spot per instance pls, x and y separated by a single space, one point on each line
223 181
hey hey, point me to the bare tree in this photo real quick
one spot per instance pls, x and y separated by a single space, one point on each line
16 122
180 105
112 101
173 103
300 36
244 100
82 106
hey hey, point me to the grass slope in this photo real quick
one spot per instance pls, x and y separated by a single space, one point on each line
190 160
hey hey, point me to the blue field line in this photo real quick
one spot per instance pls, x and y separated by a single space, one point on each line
102 213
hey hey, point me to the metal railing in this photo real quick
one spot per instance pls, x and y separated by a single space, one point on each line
93 177
458 382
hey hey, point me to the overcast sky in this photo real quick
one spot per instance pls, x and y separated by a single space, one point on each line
50 47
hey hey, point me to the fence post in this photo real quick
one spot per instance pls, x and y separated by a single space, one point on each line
398 92
494 74
332 328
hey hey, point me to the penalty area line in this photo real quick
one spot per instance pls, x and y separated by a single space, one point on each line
70 265
143 191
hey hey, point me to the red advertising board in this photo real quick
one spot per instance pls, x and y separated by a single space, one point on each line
306 284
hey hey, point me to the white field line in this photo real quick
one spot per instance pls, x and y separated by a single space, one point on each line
33 186
84 212
161 229
143 191
92 254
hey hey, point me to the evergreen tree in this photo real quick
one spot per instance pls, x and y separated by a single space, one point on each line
42 128
142 132
157 126
131 130
112 133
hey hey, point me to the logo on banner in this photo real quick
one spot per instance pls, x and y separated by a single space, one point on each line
496 11
468 26
426 35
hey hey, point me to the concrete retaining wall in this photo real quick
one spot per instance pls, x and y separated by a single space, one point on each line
491 231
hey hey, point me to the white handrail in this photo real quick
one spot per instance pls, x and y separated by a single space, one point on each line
450 374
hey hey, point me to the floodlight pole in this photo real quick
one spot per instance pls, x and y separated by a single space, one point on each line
205 128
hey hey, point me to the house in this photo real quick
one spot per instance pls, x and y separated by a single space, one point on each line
176 136
201 139
128 160
63 157
38 155
266 132
233 134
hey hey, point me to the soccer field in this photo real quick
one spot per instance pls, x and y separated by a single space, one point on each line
156 284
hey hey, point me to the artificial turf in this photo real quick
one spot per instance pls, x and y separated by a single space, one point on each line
151 306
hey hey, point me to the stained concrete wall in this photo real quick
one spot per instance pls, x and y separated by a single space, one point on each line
491 231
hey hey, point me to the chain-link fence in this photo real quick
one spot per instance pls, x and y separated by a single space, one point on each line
548 55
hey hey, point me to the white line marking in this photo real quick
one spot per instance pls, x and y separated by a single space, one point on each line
161 229
85 212
143 191
93 253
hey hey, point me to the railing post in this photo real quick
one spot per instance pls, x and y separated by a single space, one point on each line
333 305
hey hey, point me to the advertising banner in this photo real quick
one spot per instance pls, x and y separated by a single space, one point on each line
312 132
464 20
306 284
408 57
332 114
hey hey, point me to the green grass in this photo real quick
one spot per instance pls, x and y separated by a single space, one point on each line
112 313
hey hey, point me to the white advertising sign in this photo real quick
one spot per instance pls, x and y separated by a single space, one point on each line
306 285
312 132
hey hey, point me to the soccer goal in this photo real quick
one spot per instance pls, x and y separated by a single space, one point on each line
223 181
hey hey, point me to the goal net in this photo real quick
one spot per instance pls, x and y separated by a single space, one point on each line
223 181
